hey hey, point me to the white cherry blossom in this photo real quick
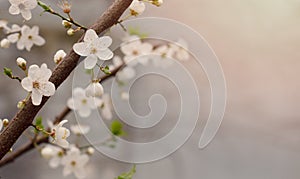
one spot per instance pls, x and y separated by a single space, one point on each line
80 129
29 37
94 89
22 6
59 55
180 49
83 104
53 154
136 52
37 82
137 7
74 162
59 134
94 47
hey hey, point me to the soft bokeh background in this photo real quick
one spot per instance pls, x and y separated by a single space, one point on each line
257 42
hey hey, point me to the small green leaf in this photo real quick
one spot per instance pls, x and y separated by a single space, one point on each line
128 175
105 70
8 72
44 6
116 128
39 124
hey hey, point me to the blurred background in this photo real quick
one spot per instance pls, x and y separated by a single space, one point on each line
257 42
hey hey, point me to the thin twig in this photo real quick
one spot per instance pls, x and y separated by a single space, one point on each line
51 11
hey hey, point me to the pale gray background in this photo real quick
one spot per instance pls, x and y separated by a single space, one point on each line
257 42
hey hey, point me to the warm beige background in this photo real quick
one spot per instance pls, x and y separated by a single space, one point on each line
258 43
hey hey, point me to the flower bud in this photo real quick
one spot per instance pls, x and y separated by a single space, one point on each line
66 24
71 32
21 63
5 43
95 89
21 104
90 151
137 7
157 2
60 54
5 122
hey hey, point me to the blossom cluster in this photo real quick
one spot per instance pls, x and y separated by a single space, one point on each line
25 37
72 159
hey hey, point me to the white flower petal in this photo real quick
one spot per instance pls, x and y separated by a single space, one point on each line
38 40
48 89
26 14
13 38
90 35
105 54
33 70
90 61
54 162
117 61
36 97
30 4
103 42
27 84
70 104
67 171
14 10
81 49
84 112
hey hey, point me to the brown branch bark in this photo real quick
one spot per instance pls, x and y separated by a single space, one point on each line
25 117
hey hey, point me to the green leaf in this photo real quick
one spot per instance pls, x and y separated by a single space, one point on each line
105 70
39 124
44 6
116 128
8 72
128 175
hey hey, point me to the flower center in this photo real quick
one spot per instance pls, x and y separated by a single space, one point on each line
135 52
84 101
73 163
22 6
94 51
60 154
36 85
30 37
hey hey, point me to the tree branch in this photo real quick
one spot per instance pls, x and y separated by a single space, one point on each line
25 116
37 141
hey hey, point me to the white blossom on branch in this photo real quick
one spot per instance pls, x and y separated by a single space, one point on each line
22 7
37 82
94 47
